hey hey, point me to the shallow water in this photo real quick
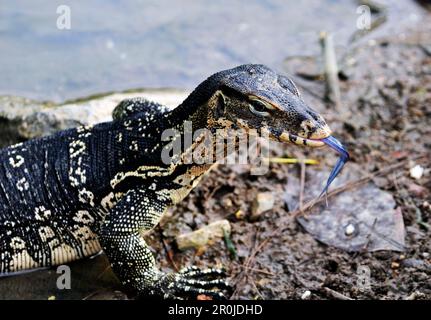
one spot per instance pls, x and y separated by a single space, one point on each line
115 45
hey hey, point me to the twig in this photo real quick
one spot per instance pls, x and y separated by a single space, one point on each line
246 265
257 290
242 275
348 186
368 238
382 236
168 253
331 70
302 186
291 160
336 294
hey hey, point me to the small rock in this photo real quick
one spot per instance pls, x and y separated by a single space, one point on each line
200 237
239 214
306 295
350 229
263 202
27 119
15 108
226 202
395 265
425 255
417 172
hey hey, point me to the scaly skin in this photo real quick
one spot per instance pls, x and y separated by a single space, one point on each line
69 195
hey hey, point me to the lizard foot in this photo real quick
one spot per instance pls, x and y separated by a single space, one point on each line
191 282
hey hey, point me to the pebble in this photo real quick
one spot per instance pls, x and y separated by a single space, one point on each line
417 172
263 202
202 236
349 230
306 295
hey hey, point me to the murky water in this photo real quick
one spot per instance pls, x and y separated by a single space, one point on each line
115 45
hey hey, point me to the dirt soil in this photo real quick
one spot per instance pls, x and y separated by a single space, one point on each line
386 118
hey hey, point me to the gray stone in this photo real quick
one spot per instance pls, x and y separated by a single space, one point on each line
26 119
202 236
263 202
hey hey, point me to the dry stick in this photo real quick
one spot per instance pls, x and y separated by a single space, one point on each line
242 275
310 204
250 259
302 186
331 70
291 160
368 238
257 290
336 294
382 236
165 247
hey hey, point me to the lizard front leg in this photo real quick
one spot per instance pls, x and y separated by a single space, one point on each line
132 260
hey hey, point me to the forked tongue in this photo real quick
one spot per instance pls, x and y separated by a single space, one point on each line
344 157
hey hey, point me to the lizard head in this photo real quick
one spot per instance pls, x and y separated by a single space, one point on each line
256 97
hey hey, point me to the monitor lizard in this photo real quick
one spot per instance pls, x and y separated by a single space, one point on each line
76 192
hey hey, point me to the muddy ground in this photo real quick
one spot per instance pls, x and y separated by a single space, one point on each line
385 119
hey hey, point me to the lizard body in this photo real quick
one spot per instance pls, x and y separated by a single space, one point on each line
74 193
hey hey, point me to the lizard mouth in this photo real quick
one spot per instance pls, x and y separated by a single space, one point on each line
315 140
292 138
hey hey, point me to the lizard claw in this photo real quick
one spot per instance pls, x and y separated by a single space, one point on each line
191 282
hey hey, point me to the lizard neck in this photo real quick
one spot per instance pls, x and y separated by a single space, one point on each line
195 106
192 114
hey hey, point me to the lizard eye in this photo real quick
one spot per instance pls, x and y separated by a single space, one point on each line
259 108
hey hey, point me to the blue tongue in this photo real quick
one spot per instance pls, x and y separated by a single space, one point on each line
344 157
